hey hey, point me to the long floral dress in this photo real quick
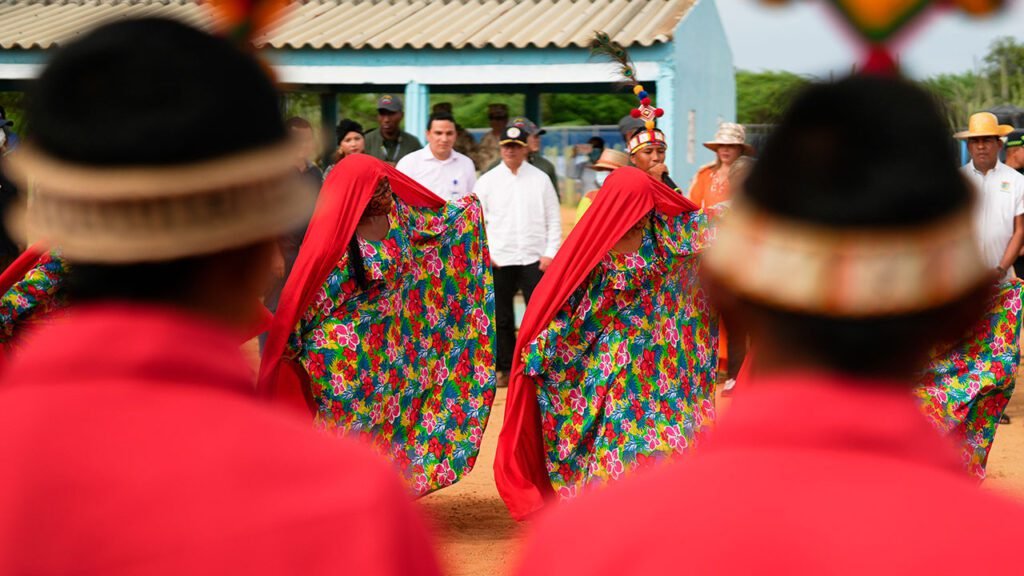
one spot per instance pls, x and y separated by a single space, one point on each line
628 366
966 388
408 363
32 298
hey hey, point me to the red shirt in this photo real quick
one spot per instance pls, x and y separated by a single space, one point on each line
805 475
132 444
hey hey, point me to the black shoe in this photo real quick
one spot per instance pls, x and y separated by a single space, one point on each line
1004 419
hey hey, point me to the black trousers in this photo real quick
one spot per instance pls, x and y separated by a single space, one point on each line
508 280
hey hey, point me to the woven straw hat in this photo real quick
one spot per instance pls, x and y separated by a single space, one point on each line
984 124
730 133
223 175
149 214
610 159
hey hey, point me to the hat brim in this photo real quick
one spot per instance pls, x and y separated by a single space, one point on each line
1002 130
602 166
516 142
747 148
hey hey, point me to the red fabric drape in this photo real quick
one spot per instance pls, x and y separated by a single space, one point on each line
15 273
342 200
627 195
21 265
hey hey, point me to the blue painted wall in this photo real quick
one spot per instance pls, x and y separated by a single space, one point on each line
705 81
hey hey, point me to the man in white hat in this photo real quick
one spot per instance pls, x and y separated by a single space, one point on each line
999 216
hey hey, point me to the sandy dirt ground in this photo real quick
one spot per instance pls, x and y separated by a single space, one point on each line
478 538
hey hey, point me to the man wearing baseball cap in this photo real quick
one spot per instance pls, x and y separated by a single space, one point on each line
1015 159
533 134
1015 150
524 230
389 142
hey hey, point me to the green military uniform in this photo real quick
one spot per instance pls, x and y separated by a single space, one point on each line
391 151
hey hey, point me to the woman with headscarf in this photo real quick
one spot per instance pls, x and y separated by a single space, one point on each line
350 141
615 362
384 327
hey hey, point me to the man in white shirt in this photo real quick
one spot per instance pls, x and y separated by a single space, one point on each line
524 230
999 215
438 167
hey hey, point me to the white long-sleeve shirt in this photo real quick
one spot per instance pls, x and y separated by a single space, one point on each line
1000 199
450 179
521 215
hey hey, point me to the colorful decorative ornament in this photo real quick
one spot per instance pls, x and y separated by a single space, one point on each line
603 45
877 22
242 21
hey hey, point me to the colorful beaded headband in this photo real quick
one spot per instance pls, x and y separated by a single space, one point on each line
603 45
844 272
646 138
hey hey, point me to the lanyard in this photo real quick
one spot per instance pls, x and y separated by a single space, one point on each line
384 149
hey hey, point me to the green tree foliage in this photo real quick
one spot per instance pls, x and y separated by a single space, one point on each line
1000 81
761 97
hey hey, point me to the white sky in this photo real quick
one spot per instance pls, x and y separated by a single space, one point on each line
805 37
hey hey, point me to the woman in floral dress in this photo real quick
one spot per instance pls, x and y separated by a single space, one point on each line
30 289
617 361
967 385
385 326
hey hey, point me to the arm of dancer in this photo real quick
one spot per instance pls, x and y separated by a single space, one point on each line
34 295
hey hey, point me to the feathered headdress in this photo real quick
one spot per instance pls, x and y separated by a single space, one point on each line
604 46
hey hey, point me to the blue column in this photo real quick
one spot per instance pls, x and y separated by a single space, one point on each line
673 122
532 107
417 108
329 110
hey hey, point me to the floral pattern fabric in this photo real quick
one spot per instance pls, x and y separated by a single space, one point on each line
33 297
627 368
408 364
966 387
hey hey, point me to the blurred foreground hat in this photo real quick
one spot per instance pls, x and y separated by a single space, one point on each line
611 159
390 102
984 124
128 175
730 134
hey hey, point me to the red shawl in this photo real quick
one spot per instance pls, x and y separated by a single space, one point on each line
21 265
343 198
627 195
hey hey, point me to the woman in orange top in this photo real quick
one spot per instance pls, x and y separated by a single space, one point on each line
711 184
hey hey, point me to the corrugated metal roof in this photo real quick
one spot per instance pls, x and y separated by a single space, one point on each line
375 23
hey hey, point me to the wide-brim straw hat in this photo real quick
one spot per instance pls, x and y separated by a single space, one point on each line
984 124
611 159
730 134
132 214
